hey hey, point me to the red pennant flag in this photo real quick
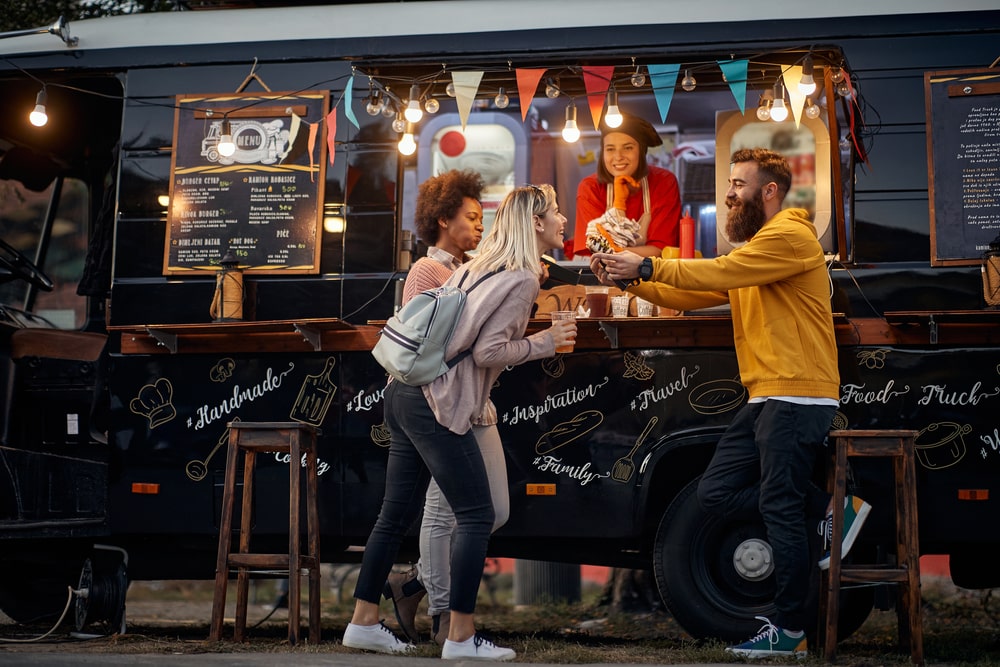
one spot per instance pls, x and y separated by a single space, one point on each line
527 84
313 131
331 133
597 80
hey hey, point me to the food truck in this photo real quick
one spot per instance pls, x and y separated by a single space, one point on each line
217 217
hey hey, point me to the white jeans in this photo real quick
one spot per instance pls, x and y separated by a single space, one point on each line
434 566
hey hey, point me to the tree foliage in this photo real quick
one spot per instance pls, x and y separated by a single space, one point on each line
27 14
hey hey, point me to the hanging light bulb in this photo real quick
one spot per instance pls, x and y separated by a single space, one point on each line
571 133
431 105
226 146
812 109
551 89
407 145
844 89
779 111
38 117
807 86
388 107
449 90
688 82
836 74
638 78
613 117
399 124
501 100
413 111
764 106
374 105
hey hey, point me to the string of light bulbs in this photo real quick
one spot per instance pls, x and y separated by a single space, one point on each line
406 112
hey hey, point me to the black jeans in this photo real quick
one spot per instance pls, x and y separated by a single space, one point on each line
764 464
420 447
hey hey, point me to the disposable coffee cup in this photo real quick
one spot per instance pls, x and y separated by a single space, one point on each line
619 305
569 315
643 308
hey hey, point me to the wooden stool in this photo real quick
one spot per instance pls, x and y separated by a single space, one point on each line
897 445
250 438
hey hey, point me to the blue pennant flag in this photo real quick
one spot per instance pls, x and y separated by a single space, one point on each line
735 72
663 79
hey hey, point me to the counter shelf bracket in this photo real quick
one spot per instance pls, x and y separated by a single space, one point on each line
311 334
167 340
610 332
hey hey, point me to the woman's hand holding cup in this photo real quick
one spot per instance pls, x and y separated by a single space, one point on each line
563 330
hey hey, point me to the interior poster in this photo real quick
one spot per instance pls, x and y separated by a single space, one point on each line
963 155
263 202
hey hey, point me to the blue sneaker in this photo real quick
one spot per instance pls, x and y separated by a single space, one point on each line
855 513
771 640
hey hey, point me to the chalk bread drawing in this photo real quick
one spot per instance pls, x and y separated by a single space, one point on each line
568 431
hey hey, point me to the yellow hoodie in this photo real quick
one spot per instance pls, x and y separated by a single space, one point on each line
779 291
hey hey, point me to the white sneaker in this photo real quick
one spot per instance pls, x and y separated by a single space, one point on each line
374 638
476 647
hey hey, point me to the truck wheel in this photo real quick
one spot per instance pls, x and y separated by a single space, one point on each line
715 575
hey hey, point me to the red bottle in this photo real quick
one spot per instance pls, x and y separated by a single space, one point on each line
687 234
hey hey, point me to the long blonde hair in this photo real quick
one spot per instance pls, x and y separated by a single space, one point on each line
512 242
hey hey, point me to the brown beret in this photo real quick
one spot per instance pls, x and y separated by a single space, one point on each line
637 128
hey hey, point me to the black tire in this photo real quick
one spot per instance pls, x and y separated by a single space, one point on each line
699 584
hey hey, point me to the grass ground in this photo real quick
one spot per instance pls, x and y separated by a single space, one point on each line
961 627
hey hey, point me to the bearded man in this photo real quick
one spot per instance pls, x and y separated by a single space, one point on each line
779 293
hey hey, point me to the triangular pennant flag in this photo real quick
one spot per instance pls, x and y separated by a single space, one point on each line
348 109
331 133
735 72
663 78
796 98
527 84
597 80
313 130
466 87
293 133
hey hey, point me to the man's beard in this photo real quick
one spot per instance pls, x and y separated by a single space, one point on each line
745 218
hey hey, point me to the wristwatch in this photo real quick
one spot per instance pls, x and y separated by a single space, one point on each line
646 268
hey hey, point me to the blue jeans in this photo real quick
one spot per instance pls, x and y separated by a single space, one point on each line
763 467
419 448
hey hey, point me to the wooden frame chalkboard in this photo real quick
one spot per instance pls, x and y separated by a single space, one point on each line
264 203
963 163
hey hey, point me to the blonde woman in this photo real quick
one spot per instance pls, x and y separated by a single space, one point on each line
431 425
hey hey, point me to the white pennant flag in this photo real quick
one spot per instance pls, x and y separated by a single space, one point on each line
466 87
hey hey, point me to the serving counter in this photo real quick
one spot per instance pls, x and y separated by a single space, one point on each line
910 328
298 335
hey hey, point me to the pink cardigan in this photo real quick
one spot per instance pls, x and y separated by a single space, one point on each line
429 272
492 324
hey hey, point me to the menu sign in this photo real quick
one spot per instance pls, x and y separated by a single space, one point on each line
963 155
263 200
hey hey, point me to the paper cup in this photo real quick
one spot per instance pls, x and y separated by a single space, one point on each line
619 305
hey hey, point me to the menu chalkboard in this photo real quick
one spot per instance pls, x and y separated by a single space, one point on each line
963 156
264 201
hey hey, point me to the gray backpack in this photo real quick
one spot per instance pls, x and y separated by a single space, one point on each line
413 342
